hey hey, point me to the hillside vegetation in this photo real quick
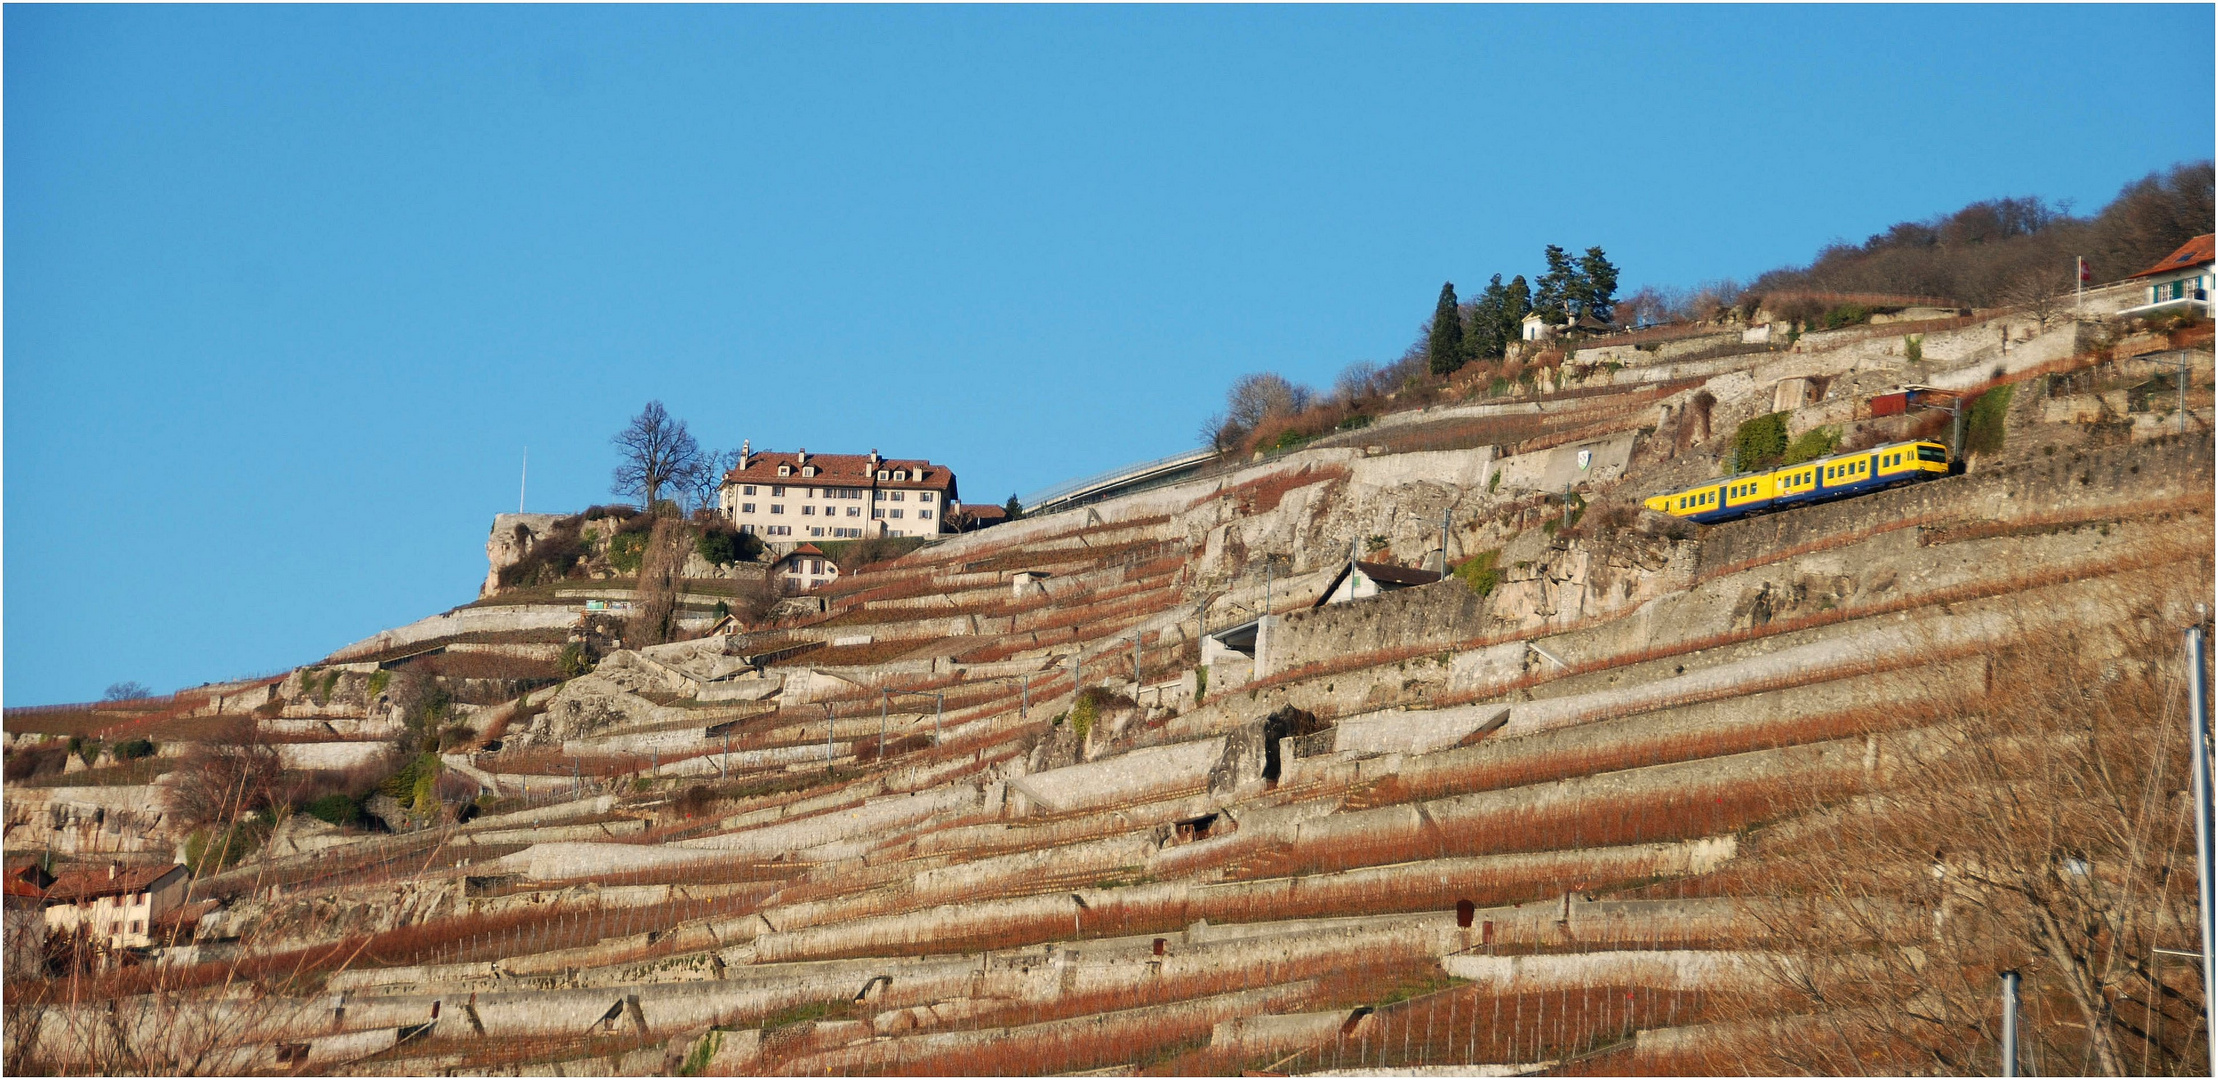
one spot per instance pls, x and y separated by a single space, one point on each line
1621 794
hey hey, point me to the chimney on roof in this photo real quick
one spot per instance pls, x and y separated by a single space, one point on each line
746 450
111 871
801 456
874 459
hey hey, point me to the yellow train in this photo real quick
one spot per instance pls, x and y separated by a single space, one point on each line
1834 477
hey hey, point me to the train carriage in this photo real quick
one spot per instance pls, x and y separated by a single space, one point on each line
1832 477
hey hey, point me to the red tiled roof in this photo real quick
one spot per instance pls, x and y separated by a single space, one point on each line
2192 253
89 883
15 886
806 549
839 470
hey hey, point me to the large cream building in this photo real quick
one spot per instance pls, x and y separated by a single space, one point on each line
791 498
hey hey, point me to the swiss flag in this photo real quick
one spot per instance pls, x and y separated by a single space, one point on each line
2086 274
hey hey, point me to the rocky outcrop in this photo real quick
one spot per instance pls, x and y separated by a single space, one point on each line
511 539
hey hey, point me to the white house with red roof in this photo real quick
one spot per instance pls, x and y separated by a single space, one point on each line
796 497
2181 280
115 905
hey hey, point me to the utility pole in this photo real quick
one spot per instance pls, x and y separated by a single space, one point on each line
1444 538
1024 703
939 708
1135 664
827 734
2198 743
883 697
2079 283
522 479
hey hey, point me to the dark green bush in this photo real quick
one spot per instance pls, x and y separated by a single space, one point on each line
1847 315
134 749
1479 572
1760 442
1983 421
336 809
723 545
626 550
1810 445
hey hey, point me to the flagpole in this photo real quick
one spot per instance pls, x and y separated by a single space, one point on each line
2079 283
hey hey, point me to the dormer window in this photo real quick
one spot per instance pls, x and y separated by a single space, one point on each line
785 470
808 470
901 474
882 474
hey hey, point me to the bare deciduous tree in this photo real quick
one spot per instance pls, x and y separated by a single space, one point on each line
655 452
656 620
1360 381
1254 398
220 779
709 478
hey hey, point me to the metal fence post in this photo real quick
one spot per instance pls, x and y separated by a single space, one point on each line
2198 710
2009 1023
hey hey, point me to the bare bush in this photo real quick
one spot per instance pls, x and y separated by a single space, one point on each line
2037 826
225 777
656 621
1255 398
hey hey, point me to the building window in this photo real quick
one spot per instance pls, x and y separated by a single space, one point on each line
854 511
896 512
778 490
894 495
924 496
777 508
924 515
747 489
747 530
809 511
877 513
831 511
747 508
785 470
882 474
808 470
780 530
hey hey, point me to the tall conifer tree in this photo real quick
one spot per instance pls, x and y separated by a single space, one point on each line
1445 347
1597 285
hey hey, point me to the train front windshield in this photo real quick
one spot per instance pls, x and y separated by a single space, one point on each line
1932 453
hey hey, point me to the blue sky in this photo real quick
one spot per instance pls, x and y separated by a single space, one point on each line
288 290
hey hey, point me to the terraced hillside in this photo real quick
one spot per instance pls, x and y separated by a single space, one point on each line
1622 795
